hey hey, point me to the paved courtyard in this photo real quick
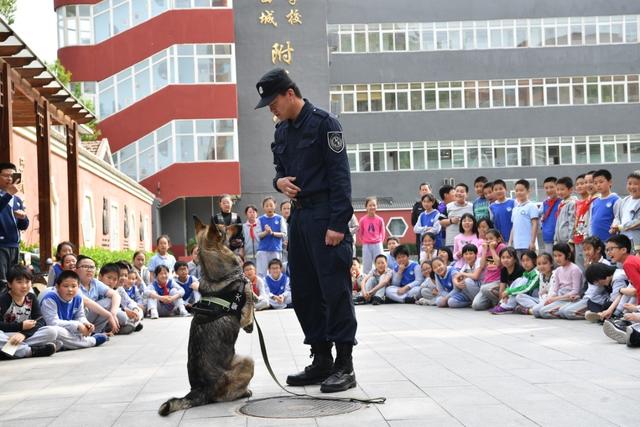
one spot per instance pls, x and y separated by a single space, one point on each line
435 366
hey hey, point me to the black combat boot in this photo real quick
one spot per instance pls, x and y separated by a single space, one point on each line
319 369
342 376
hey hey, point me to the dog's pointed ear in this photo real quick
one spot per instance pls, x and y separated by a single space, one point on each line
213 233
199 226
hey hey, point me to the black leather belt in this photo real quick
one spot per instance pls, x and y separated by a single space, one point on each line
310 201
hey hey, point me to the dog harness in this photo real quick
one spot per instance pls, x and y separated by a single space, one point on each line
213 307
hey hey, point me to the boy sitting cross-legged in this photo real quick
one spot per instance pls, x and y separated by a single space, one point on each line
63 308
21 323
127 305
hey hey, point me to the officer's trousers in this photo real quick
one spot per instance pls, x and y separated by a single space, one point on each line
320 278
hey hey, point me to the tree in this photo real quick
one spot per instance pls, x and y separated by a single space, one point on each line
8 10
58 70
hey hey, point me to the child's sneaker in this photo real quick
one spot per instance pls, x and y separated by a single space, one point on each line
498 309
43 350
126 329
100 339
183 312
139 327
521 310
592 316
633 335
616 330
377 301
153 313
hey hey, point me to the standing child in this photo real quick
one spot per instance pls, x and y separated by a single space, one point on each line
162 256
250 233
260 293
225 218
164 296
285 212
371 233
524 233
188 283
584 189
501 209
63 308
278 286
63 248
526 285
429 220
466 282
468 236
481 204
418 208
566 214
455 210
567 285
21 323
272 230
407 277
627 215
376 281
428 288
604 206
491 247
548 213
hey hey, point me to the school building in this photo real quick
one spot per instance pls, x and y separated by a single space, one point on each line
426 91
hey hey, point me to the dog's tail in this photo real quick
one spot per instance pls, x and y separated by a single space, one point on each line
180 404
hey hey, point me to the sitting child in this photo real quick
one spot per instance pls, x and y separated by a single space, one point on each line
567 286
278 285
596 296
357 280
446 254
130 307
428 288
64 309
376 282
188 283
546 278
528 285
612 280
428 252
491 248
511 271
260 294
392 244
21 323
466 281
164 295
406 280
443 274
131 286
102 302
63 248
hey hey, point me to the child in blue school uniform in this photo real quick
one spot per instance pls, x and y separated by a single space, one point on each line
501 209
278 286
188 283
272 230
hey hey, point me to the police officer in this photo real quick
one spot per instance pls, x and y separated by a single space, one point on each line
312 169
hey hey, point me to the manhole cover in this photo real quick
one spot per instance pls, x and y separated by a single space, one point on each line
296 407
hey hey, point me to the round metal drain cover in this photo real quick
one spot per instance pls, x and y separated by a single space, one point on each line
297 407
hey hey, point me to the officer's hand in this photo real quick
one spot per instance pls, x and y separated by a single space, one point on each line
333 238
12 189
287 187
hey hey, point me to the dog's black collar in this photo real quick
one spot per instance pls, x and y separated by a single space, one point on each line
215 308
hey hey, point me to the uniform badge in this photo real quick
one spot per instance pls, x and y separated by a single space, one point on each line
336 142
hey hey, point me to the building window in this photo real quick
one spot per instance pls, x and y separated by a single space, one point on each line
114 240
179 64
469 95
88 222
92 24
105 217
179 141
397 227
478 35
493 153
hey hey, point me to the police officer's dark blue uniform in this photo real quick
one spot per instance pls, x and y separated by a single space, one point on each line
311 148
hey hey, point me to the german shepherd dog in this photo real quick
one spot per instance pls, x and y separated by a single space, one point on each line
216 373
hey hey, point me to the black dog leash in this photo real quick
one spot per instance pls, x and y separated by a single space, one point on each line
265 357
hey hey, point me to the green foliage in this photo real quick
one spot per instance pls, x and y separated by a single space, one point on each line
35 248
8 10
58 70
103 256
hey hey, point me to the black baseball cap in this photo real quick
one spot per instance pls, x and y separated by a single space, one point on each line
271 85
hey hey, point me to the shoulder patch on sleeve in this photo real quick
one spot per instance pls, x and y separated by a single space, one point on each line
335 141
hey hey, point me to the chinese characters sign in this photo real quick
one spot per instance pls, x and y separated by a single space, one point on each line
281 52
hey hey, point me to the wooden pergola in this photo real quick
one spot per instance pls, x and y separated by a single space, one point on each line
31 96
